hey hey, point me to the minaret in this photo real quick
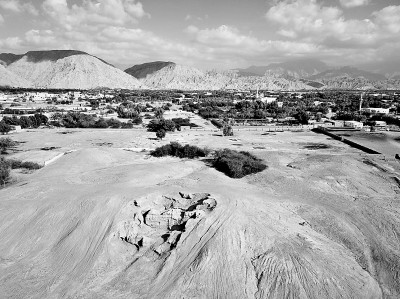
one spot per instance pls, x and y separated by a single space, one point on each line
361 100
257 96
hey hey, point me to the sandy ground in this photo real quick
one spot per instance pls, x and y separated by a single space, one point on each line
105 220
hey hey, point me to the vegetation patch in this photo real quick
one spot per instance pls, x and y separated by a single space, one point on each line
175 149
316 146
49 148
237 164
232 163
18 164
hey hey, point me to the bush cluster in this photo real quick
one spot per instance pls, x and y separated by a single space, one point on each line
7 164
32 121
237 164
232 163
179 121
6 143
177 150
4 171
158 124
18 164
81 120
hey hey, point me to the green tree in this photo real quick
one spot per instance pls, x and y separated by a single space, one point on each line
160 134
158 112
158 124
6 143
227 130
4 128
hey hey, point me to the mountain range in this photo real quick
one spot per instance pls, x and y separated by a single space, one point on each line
70 69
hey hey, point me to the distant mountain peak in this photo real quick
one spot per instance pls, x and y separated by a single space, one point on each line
43 55
296 68
347 71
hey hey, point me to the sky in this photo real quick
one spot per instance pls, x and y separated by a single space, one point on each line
208 34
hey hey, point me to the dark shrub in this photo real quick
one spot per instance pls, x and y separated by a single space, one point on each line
101 123
6 143
175 149
127 125
4 128
4 172
237 164
158 124
17 164
137 120
217 123
160 134
114 123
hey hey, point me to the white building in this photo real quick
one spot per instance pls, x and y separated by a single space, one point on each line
376 110
353 124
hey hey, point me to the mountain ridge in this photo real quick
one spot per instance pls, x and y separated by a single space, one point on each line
78 69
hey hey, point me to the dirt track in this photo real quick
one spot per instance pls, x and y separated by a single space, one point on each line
104 222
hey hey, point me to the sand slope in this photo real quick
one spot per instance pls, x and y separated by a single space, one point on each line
103 222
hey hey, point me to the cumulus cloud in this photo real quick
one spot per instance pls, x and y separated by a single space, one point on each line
93 13
11 43
228 45
388 19
310 20
17 6
353 3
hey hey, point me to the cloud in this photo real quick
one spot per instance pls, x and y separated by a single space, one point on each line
11 43
1 19
353 3
388 19
16 6
93 13
311 21
226 45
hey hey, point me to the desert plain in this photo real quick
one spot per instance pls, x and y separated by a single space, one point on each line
104 219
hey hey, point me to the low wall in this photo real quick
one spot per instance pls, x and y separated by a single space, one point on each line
348 142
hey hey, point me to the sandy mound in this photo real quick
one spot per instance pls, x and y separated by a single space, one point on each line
102 222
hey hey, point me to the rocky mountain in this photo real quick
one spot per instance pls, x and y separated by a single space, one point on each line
10 79
140 71
8 58
70 69
300 68
174 76
349 72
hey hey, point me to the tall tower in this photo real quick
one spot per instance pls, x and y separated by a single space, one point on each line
361 101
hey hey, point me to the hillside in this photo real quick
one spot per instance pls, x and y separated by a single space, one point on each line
10 79
184 77
299 68
142 70
70 69
8 58
350 72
